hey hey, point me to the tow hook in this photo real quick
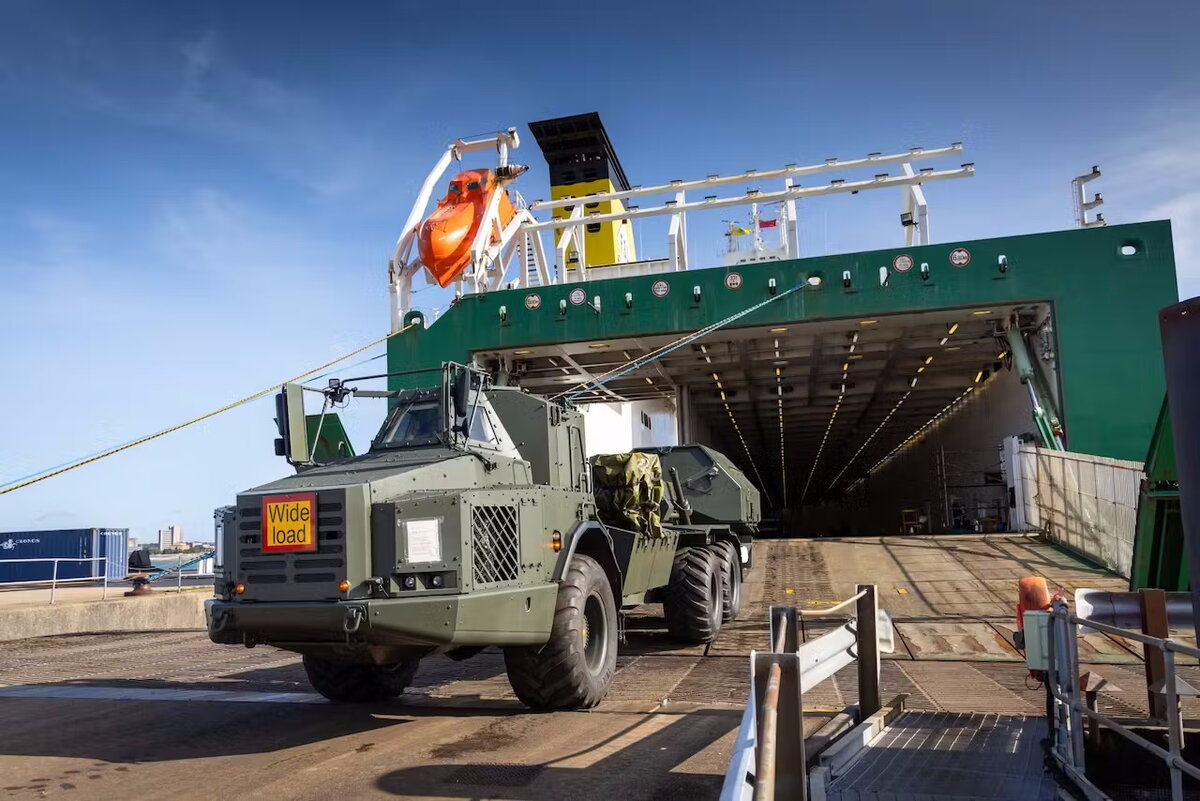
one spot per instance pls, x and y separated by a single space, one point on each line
354 620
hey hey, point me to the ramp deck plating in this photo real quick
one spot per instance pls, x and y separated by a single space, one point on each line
109 706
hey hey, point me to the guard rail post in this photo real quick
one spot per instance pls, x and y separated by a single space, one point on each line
866 620
104 594
1154 623
53 582
780 713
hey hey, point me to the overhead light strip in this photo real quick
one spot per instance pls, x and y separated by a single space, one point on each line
738 430
912 385
836 407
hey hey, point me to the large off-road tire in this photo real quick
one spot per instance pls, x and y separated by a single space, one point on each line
354 683
693 602
731 581
575 668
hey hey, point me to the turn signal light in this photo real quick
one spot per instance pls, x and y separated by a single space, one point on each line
556 541
239 588
343 585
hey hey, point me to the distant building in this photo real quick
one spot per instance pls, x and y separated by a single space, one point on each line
170 538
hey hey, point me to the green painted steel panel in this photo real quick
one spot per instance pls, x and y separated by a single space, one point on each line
1105 305
1158 546
333 442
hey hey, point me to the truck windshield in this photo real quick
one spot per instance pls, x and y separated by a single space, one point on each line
420 423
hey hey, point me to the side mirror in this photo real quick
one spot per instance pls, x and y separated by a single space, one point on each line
461 393
289 418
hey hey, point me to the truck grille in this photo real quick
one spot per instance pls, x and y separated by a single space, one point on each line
293 576
495 544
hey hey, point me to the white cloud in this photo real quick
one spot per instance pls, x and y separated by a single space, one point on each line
198 88
1153 174
121 337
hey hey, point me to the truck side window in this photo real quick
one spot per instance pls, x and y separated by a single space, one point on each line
418 424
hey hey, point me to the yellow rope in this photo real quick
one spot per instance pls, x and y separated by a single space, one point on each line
202 417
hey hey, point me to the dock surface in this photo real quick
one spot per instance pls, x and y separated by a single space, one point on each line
169 715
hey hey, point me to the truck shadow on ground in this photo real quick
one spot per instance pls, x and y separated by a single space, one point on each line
648 762
127 731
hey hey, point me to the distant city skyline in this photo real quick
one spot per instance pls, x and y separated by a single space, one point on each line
199 200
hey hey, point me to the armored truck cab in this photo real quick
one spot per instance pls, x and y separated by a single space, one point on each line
472 521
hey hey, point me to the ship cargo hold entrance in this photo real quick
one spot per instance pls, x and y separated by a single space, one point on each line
863 425
868 400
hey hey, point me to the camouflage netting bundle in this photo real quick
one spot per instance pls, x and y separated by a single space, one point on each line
629 491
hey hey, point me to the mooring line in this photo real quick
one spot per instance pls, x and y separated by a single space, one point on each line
42 475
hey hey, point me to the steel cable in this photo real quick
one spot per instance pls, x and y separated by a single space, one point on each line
658 353
68 466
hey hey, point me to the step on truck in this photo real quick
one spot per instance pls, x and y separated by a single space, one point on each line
474 520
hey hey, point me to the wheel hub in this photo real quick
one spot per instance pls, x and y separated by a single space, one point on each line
595 625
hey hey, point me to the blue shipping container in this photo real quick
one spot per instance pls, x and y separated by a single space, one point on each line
66 544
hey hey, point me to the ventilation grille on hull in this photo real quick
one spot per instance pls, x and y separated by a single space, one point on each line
495 544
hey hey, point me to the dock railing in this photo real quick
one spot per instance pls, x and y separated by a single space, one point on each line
768 760
1072 703
54 580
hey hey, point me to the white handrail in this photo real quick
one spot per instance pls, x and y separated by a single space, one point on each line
55 580
1064 688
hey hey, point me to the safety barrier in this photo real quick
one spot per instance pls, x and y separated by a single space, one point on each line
1072 701
1083 502
54 580
768 760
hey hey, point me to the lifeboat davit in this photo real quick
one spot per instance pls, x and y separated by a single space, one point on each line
445 237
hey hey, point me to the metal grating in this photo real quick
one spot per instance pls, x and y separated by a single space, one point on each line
495 544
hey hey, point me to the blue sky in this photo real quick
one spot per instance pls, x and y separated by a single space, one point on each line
198 201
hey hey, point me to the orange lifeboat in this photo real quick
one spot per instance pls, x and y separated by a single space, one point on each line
445 237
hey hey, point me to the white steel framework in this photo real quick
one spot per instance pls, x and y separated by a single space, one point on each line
516 256
1082 204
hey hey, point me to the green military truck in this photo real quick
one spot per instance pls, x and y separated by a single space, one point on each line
475 520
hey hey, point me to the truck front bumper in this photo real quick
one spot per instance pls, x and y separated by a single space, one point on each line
514 616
